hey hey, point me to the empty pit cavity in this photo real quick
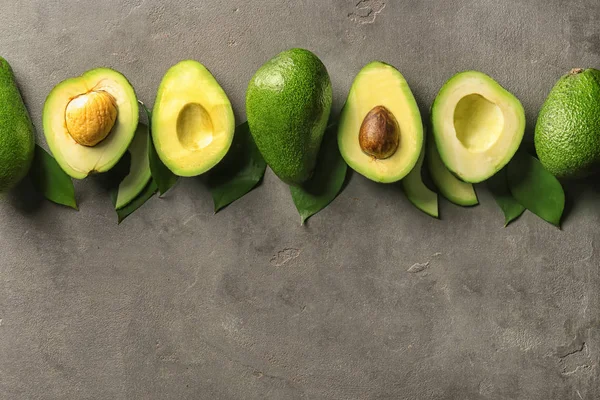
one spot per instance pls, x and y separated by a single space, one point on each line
194 127
478 122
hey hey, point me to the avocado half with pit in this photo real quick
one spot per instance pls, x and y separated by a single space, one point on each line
192 120
477 124
89 121
380 134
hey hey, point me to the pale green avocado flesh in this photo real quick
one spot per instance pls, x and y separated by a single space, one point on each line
417 192
380 84
139 171
78 160
477 125
192 120
452 188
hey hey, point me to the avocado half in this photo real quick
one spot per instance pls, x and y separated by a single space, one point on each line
417 192
139 171
477 124
89 121
380 133
458 192
192 120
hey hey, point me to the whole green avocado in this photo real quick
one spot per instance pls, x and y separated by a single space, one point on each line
288 102
567 133
17 139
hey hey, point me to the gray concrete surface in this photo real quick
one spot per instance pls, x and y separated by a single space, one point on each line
178 303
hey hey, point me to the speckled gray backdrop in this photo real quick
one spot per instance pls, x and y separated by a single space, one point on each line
178 303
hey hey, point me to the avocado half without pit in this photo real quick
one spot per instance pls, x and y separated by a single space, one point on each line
89 121
477 124
380 133
192 120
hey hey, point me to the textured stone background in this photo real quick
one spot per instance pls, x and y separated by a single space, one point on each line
178 303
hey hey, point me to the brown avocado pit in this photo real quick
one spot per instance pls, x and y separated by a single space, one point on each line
90 117
379 134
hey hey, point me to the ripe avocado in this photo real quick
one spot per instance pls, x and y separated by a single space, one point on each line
417 192
380 134
477 124
567 133
17 137
452 188
288 102
90 120
192 120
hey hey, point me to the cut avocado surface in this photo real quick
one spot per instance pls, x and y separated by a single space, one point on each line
288 103
452 188
89 121
477 124
192 120
380 133
417 192
139 171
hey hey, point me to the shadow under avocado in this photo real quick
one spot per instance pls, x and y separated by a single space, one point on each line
347 179
574 189
239 172
24 198
321 178
109 181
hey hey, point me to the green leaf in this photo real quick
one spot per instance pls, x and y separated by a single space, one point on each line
50 180
136 203
239 172
535 188
327 181
164 178
498 185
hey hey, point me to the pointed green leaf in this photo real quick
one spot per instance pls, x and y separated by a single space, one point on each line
164 178
535 188
327 181
50 180
239 172
136 203
498 185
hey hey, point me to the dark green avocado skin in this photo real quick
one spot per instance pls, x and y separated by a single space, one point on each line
17 138
567 133
288 103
